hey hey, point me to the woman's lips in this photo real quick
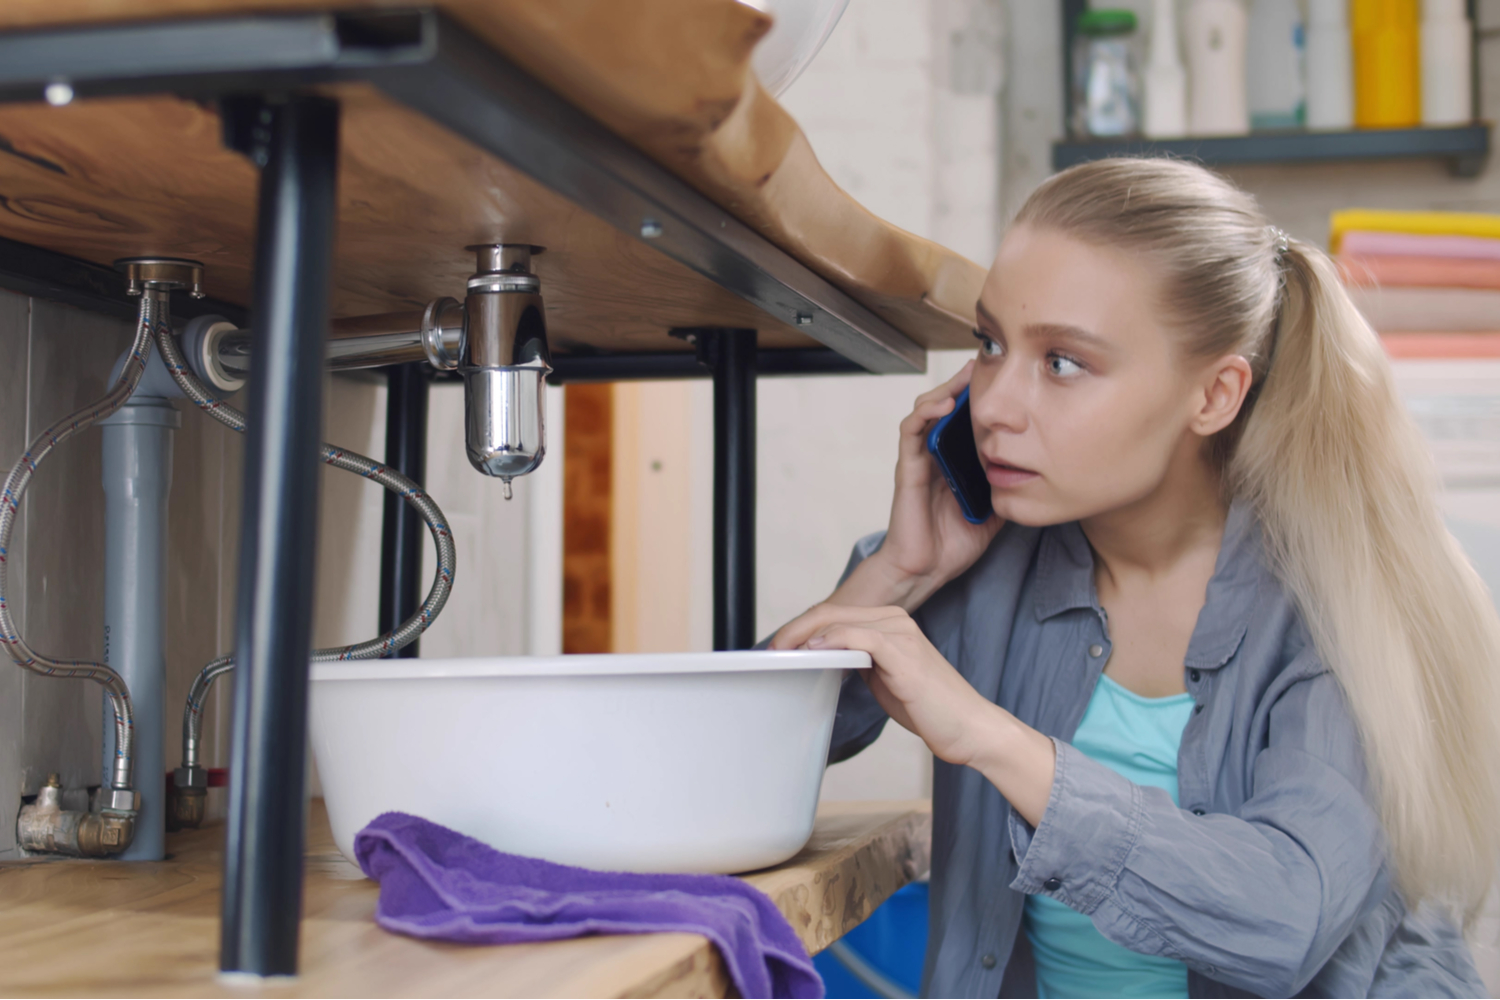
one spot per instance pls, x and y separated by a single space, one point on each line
1004 476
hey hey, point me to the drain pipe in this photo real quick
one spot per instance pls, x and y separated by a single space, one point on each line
137 471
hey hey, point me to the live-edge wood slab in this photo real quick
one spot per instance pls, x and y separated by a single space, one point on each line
78 928
107 178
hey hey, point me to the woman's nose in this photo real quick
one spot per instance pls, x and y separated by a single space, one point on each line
1000 403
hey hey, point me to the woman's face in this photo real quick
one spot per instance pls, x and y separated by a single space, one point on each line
1081 404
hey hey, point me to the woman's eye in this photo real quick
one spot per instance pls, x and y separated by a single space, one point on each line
1058 364
989 348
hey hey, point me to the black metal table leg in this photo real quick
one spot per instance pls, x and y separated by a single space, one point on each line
296 140
401 527
731 356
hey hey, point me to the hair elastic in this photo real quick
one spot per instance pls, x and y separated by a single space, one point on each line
1282 240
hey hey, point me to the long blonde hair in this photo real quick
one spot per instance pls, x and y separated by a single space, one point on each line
1346 494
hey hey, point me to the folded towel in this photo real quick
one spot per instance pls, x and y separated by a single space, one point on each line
1429 223
436 883
1394 271
1441 345
1418 245
1429 310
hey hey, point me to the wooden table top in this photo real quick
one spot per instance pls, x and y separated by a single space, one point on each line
71 927
105 178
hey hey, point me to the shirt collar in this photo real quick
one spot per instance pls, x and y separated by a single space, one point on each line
1065 581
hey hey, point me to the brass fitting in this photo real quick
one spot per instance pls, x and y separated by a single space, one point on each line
187 802
46 827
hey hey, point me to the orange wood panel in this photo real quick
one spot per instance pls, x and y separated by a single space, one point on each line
588 458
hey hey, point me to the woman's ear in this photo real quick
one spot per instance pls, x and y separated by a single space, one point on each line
1225 384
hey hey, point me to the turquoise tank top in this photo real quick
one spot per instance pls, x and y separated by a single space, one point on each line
1139 738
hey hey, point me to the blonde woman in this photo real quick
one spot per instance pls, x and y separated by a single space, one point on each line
1213 694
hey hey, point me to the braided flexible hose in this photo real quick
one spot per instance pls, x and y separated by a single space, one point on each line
153 320
437 596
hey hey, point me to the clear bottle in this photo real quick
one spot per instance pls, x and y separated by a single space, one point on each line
1105 86
1276 93
1330 67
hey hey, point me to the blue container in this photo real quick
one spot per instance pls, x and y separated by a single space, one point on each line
893 940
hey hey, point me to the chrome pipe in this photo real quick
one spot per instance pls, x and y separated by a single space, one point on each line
506 362
435 335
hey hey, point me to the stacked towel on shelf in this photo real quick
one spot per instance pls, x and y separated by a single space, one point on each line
1428 282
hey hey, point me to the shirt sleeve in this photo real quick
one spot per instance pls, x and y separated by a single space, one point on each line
1259 899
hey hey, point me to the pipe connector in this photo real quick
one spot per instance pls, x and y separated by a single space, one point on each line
188 803
166 274
45 827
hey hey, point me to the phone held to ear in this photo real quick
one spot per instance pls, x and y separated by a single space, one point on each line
951 442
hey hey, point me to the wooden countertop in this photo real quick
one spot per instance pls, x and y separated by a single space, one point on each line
128 176
71 927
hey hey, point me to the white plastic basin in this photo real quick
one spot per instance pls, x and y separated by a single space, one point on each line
681 762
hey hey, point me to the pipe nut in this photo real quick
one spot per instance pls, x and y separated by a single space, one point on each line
118 800
161 274
441 320
190 776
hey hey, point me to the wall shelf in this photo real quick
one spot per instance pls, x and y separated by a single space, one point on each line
1465 147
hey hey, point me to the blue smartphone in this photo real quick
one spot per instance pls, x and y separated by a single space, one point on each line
951 442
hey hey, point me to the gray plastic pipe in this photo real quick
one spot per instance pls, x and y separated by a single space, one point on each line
137 472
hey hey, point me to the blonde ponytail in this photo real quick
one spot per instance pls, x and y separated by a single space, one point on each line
1346 494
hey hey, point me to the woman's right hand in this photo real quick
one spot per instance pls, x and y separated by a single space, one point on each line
928 541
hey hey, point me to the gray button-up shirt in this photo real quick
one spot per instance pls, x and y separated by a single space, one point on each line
1270 878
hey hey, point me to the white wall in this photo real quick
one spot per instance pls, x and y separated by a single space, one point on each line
507 594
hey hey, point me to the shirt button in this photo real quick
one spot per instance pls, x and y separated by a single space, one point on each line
988 961
1197 708
1096 650
1197 812
1194 676
1052 884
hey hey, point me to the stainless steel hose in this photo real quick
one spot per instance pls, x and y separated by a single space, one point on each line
437 596
153 322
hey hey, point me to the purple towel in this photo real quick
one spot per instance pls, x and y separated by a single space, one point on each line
436 883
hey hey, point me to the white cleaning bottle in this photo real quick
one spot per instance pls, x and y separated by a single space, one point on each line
1446 53
1274 64
1166 81
1214 32
1330 66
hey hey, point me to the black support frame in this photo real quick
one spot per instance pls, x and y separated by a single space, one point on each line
730 354
402 530
298 146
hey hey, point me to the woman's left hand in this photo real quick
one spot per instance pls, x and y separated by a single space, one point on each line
924 693
910 679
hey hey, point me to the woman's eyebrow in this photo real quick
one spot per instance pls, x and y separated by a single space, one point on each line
1065 332
985 316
